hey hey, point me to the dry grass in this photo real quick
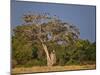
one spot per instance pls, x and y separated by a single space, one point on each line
53 68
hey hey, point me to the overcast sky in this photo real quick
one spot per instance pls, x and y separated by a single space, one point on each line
84 17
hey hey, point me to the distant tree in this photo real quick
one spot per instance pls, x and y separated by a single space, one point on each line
85 51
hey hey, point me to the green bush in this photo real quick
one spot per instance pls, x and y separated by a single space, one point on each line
14 63
35 62
72 62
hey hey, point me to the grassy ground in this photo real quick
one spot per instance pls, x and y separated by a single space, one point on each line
53 68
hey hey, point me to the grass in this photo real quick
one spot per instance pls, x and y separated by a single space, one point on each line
51 69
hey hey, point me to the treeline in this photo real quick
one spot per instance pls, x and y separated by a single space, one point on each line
26 54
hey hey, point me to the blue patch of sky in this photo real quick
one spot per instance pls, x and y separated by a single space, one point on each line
82 16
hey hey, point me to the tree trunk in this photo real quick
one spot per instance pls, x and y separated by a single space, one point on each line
49 63
51 57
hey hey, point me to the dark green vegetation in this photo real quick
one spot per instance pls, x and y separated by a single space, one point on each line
43 40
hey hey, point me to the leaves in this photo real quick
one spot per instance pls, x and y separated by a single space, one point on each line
56 35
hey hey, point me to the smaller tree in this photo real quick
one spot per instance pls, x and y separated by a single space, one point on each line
21 48
86 51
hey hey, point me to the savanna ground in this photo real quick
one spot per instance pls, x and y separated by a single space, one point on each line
53 68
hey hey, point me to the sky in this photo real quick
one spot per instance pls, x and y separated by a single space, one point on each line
82 16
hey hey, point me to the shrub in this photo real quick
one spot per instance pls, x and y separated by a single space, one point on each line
14 63
35 62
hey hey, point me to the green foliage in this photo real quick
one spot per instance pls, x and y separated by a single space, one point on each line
14 63
73 62
85 51
34 62
56 35
34 52
21 49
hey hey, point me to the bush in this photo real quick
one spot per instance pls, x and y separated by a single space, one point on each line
14 63
35 62
72 62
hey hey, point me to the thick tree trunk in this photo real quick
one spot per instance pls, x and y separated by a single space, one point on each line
51 57
49 63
